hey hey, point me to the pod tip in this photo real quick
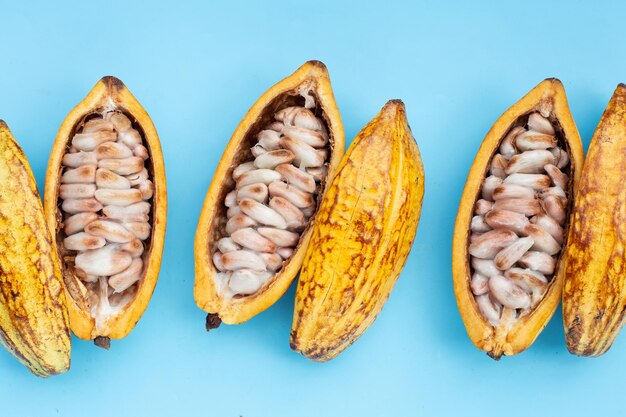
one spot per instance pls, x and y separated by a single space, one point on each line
112 82
318 64
395 106
554 80
395 102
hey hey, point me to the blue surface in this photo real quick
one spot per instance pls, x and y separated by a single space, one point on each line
197 68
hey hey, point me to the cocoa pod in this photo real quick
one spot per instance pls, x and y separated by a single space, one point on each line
34 323
110 123
240 286
501 322
362 237
594 293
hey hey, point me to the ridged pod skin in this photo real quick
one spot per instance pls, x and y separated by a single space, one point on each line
312 76
594 293
548 97
109 93
362 237
33 316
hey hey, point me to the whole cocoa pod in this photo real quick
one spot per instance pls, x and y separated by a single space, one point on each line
362 237
33 314
594 294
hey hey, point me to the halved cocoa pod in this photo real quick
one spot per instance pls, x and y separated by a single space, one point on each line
507 251
594 293
106 203
255 223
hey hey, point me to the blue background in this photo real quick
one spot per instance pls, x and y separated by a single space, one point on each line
197 68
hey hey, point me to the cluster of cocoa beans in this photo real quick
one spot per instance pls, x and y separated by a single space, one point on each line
517 230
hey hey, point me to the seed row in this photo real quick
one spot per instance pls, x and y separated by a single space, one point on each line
273 200
105 191
517 231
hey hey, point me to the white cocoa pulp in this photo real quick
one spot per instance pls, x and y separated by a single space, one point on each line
517 232
105 197
274 197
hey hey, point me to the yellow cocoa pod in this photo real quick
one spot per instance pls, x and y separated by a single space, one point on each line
594 293
511 227
256 218
362 237
106 202
33 315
